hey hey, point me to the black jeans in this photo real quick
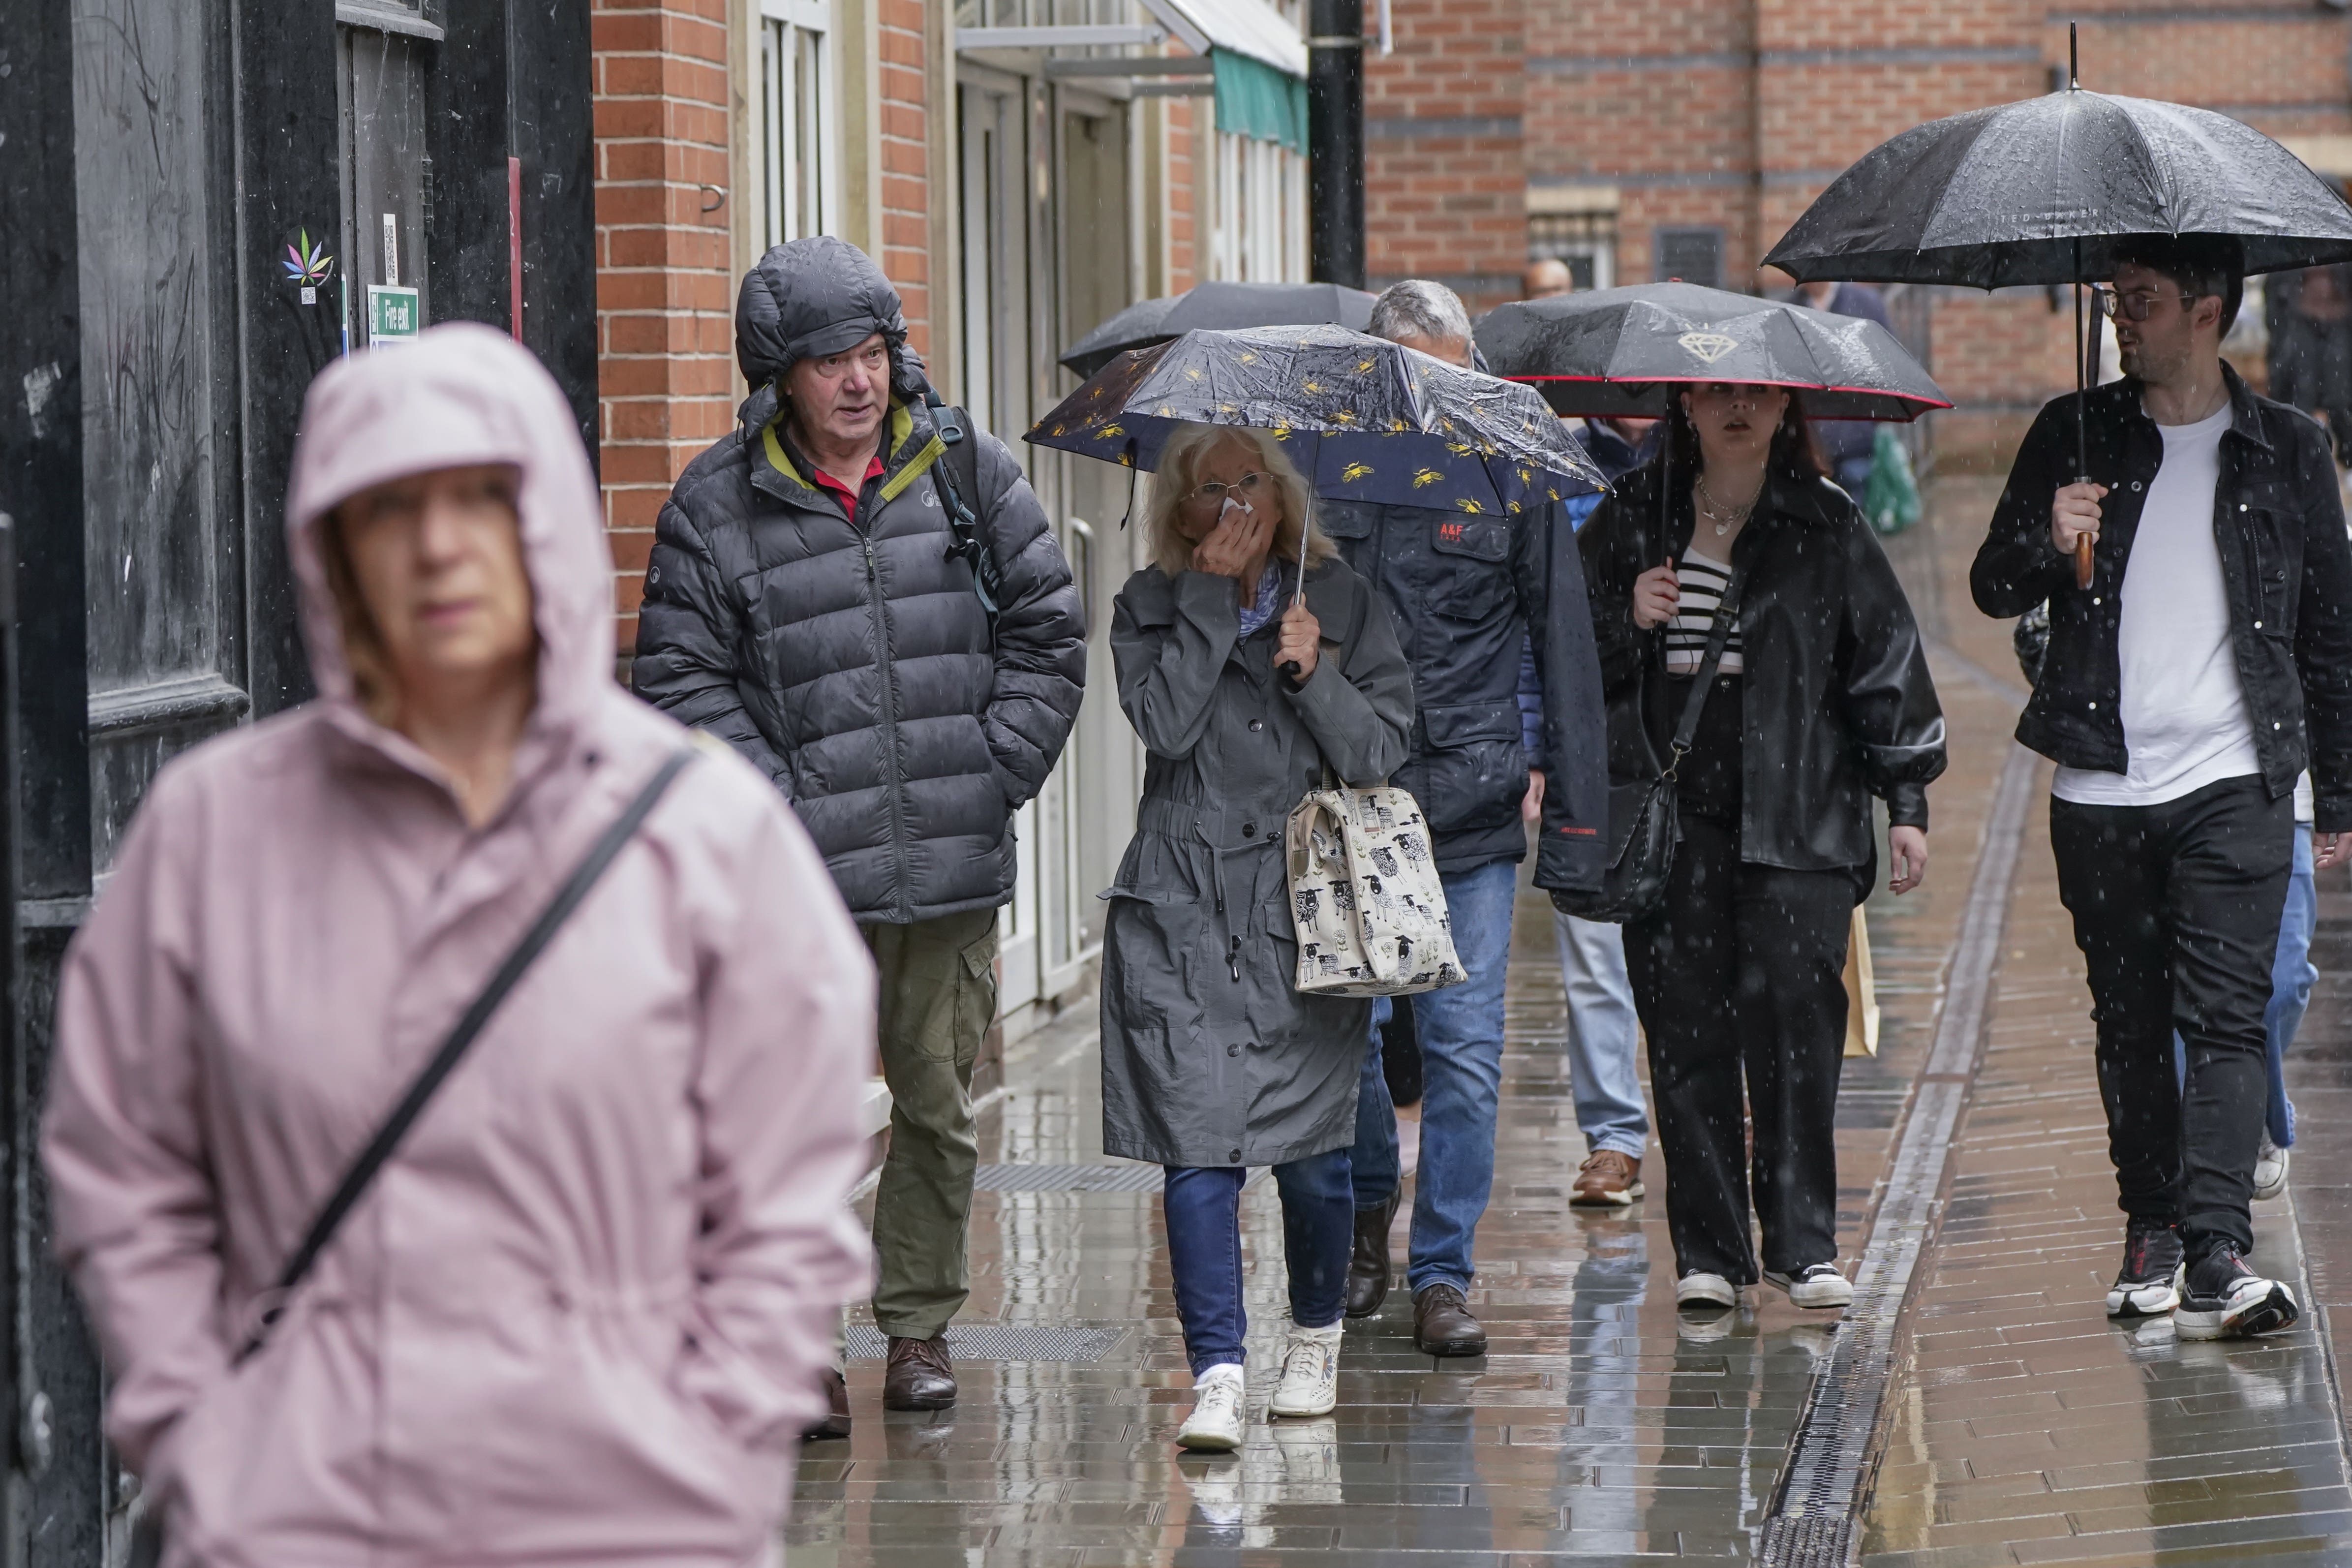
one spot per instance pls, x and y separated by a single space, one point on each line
1742 974
2177 912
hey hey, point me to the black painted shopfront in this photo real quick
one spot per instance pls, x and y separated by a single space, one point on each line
201 202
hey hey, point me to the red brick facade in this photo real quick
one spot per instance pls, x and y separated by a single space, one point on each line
665 290
1731 115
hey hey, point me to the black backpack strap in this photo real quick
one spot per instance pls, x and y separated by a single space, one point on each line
956 476
1727 619
379 1151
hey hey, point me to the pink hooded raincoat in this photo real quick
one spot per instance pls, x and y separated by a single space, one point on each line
580 1317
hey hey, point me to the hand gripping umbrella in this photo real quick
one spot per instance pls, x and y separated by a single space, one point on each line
1222 307
1371 420
2041 192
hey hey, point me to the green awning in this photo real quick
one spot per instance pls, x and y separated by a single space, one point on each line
1256 100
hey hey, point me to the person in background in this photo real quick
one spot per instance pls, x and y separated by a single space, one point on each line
1846 444
1466 593
581 1312
1604 1039
2309 314
1249 659
2207 665
1545 277
1821 701
810 602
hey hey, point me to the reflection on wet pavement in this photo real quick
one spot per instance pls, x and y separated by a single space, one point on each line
1603 1428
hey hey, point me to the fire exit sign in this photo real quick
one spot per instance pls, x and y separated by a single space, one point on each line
392 314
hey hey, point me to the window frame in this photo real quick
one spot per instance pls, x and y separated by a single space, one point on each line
786 120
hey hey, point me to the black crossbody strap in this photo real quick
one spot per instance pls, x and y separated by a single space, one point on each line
1726 620
372 1159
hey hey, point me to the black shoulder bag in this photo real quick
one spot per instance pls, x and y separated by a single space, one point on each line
1644 823
147 1545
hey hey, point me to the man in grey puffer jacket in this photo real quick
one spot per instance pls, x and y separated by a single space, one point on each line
808 602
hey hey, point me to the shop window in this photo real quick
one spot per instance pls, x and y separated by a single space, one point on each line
798 118
1692 255
1585 241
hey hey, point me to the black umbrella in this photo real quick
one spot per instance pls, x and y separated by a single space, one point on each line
1223 307
2041 192
1374 421
1615 353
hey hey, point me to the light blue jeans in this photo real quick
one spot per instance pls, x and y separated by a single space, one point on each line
1603 1036
2293 976
1461 1032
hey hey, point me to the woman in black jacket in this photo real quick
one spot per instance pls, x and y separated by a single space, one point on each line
1822 701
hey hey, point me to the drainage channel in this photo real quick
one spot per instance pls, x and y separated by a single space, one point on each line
1816 1512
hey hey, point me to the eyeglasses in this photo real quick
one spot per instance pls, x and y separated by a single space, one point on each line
1213 495
2135 305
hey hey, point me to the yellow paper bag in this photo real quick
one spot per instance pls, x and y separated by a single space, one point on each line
1861 991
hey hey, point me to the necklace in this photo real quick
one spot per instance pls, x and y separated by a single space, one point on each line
1724 518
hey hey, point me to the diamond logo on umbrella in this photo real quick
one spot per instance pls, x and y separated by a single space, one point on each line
1709 346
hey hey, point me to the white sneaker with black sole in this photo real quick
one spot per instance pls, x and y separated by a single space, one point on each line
1814 1285
2225 1299
1311 1373
2270 1170
2148 1283
1703 1291
1215 1424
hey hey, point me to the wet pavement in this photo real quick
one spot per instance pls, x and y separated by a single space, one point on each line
2020 1425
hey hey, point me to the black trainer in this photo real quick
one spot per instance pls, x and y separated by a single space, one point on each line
2148 1284
2224 1299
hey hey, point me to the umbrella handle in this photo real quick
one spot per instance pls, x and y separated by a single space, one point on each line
2083 562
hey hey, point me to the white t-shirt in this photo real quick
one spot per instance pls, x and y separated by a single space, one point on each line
2184 711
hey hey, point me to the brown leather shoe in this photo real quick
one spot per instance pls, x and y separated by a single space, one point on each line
1608 1180
919 1377
1368 1265
837 1425
1442 1325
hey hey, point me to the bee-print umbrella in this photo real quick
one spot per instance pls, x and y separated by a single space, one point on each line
1370 420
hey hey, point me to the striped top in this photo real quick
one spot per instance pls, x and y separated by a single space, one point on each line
1702 582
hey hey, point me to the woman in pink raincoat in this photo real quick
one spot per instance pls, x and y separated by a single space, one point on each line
581 1316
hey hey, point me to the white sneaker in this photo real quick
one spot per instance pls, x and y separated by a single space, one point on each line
1699 1290
1214 1426
2270 1170
1311 1373
1814 1285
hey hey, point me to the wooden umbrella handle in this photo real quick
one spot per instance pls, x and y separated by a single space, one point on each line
2083 561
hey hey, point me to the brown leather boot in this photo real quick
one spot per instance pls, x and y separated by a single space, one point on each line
920 1375
1608 1180
837 1424
1442 1324
1368 1265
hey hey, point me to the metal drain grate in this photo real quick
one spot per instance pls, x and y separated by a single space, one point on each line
1003 1342
1125 1178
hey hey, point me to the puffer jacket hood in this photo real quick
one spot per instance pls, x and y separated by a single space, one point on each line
462 393
809 298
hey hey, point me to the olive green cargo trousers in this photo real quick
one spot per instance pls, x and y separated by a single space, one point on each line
938 999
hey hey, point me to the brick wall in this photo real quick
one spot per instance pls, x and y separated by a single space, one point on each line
1734 114
664 288
906 167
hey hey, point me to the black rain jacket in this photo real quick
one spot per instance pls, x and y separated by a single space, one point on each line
2287 565
852 661
1838 705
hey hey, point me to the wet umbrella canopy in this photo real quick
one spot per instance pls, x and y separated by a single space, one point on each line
1223 307
2036 192
1379 422
1614 353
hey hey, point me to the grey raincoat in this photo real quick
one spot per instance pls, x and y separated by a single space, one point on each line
1209 1056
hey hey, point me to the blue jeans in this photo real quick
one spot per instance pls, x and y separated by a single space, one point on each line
1202 1205
2293 976
1461 1031
1603 1036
